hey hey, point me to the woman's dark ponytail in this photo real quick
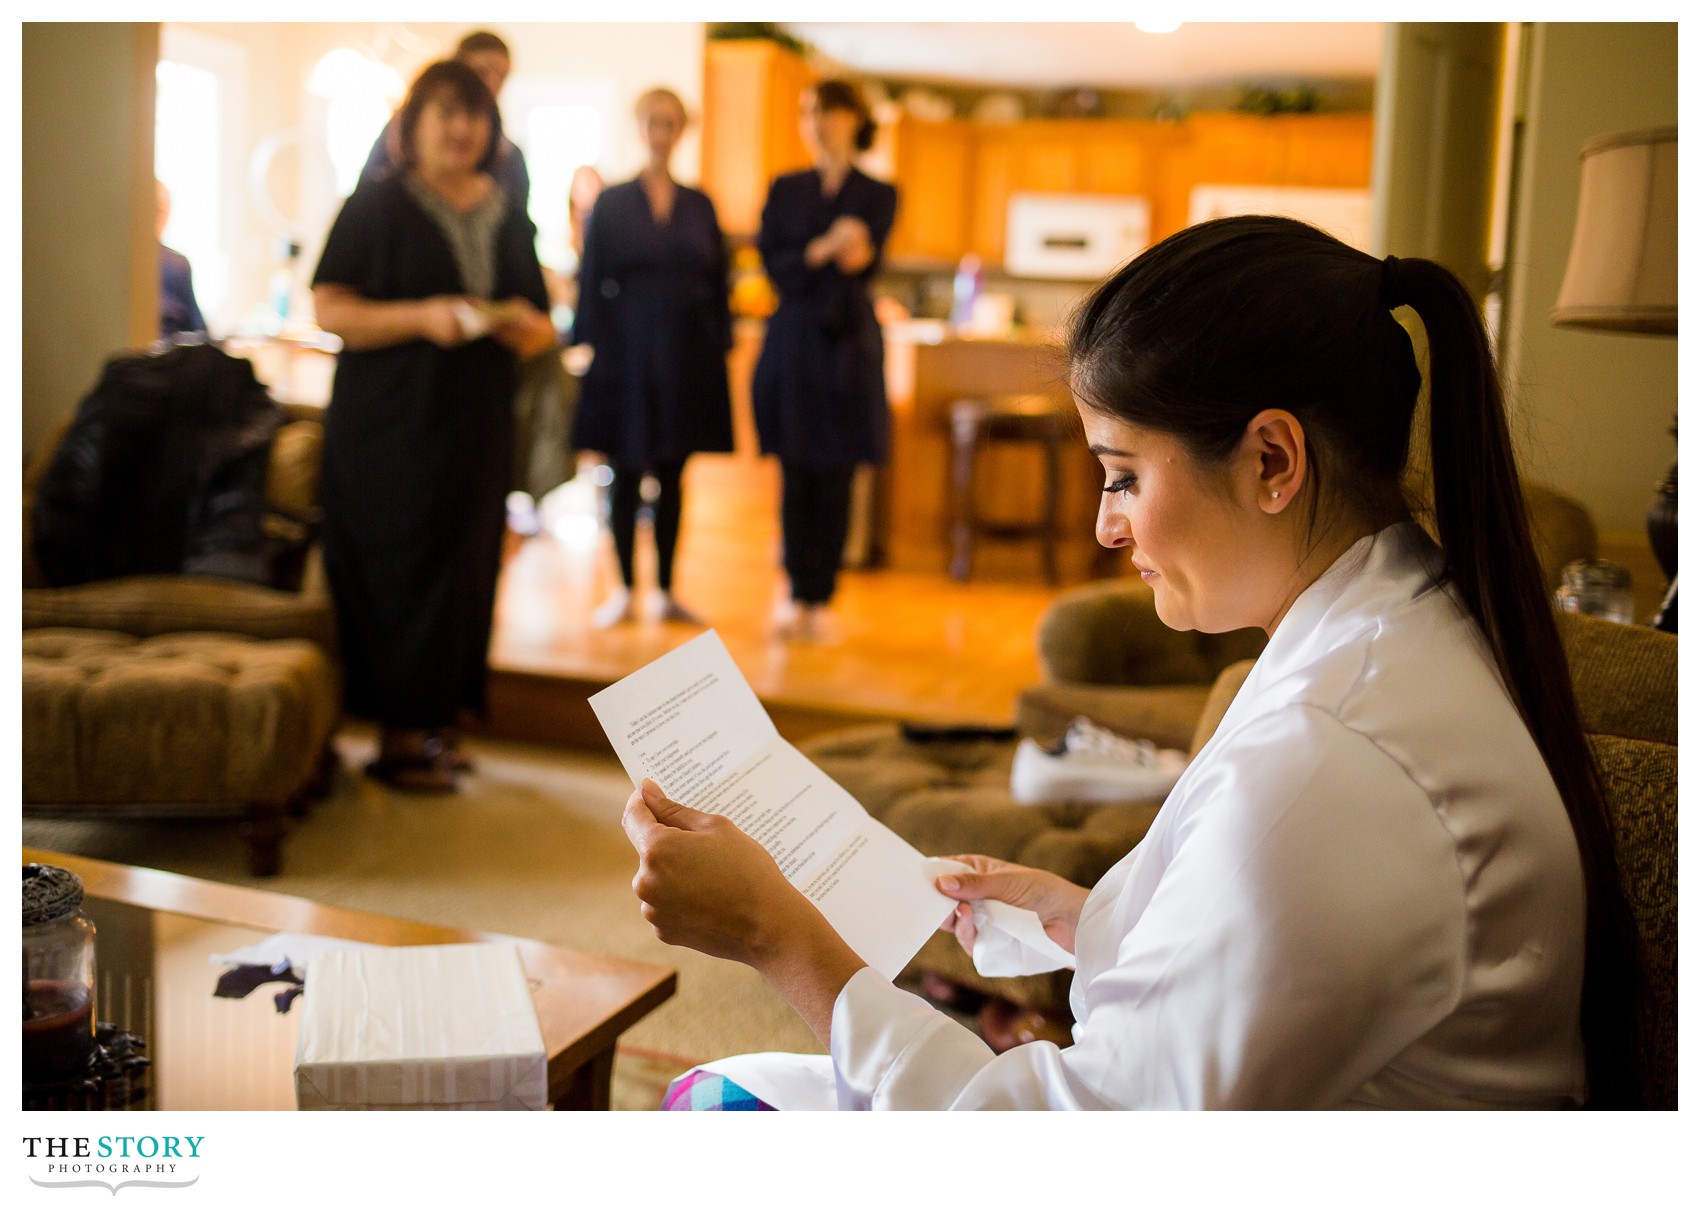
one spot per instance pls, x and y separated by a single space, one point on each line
1483 527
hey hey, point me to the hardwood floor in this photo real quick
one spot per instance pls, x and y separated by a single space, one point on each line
901 646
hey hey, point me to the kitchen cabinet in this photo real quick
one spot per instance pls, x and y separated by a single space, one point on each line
932 164
955 178
1073 156
751 90
1318 150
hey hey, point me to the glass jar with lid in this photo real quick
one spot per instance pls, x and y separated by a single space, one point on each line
58 972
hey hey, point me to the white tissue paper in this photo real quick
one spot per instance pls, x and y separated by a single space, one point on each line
474 322
449 1028
1008 940
296 948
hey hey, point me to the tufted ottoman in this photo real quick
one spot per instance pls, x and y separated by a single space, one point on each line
191 723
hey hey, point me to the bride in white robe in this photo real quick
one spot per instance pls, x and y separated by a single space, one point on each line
1365 891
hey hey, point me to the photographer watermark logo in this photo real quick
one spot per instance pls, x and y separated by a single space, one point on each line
113 1162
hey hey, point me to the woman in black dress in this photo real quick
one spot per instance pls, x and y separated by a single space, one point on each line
819 389
419 435
653 304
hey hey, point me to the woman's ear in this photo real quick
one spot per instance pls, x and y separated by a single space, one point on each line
1274 447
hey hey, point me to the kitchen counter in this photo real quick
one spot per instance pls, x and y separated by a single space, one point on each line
924 379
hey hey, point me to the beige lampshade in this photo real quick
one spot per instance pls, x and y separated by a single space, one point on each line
1622 270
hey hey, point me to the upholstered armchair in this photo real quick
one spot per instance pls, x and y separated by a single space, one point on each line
185 695
164 604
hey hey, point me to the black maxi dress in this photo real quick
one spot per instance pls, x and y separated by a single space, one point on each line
419 448
653 304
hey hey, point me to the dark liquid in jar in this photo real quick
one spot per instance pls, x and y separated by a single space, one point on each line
58 1029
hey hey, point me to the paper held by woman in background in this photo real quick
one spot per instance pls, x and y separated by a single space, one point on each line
478 316
692 723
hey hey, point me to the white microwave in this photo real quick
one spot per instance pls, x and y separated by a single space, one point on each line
1074 236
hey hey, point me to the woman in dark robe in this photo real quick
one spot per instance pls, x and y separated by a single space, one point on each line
430 278
653 304
819 389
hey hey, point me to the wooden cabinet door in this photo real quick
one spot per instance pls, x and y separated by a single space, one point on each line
1236 149
933 168
1114 159
750 133
1050 159
1333 151
994 181
785 152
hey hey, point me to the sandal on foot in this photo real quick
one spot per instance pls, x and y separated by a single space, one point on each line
416 773
444 747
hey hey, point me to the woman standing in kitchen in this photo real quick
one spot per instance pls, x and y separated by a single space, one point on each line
653 305
430 278
819 389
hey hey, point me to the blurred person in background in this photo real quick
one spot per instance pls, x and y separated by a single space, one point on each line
430 277
653 305
819 388
486 54
178 311
586 186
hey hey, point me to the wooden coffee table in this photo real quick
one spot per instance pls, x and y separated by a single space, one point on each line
210 1050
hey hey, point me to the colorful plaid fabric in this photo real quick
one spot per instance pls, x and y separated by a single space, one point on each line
700 1090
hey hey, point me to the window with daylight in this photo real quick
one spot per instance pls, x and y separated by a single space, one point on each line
359 92
187 141
557 140
561 123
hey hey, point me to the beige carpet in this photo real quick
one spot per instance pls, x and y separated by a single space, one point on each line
531 847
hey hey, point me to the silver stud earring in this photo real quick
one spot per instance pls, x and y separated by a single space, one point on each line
1276 495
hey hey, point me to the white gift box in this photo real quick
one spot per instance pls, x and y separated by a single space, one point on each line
448 1028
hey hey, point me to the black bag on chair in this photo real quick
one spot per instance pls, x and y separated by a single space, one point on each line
163 470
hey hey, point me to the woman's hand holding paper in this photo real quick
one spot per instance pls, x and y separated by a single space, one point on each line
704 883
854 249
521 327
707 885
1054 899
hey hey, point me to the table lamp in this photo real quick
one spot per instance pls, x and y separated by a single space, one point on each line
1621 275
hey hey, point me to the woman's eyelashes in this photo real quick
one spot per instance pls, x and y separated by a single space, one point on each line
1121 484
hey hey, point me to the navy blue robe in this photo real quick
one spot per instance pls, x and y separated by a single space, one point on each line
819 389
419 457
178 311
653 303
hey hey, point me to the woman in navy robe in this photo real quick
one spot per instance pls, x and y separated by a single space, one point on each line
819 389
430 278
653 305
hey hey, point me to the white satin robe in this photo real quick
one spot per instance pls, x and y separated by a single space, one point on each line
1363 892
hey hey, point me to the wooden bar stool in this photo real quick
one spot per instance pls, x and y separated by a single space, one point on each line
975 422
